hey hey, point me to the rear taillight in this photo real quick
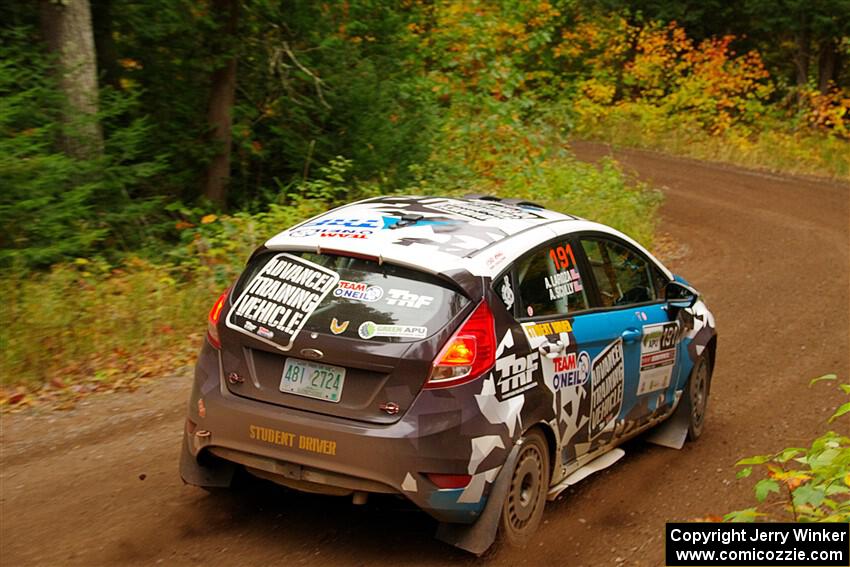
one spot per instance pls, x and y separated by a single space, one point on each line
469 353
212 320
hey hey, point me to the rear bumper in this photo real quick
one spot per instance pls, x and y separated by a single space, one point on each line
320 453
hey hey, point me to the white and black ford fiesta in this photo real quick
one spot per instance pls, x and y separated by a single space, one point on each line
474 356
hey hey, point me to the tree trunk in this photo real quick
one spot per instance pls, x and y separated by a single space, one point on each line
107 54
222 94
67 28
827 65
801 57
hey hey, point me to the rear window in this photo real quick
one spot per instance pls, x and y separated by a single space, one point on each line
384 303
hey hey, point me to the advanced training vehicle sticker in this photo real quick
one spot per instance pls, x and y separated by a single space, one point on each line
275 305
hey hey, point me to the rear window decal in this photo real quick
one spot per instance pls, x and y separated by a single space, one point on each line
657 356
403 298
359 291
337 327
276 303
263 332
369 329
606 395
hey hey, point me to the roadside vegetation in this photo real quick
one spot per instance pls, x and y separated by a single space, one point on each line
704 99
803 484
137 177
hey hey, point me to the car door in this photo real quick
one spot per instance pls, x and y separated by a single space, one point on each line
630 333
548 294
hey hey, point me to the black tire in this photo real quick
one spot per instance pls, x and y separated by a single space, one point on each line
697 397
522 510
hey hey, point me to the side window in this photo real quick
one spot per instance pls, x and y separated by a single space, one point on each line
549 282
660 281
622 276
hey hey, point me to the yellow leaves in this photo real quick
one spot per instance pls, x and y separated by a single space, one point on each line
210 218
598 91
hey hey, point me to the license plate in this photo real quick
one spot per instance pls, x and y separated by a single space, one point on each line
313 380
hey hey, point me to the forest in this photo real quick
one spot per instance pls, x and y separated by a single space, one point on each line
147 147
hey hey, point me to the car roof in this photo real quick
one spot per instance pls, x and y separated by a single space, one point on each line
435 234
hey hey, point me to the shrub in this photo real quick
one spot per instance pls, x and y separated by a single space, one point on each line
808 484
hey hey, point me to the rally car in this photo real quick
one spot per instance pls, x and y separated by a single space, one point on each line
475 356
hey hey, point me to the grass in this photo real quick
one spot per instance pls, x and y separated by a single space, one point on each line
70 324
772 147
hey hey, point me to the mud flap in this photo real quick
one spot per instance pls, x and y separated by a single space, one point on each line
673 432
478 537
192 472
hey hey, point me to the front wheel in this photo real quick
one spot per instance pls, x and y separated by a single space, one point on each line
697 397
523 507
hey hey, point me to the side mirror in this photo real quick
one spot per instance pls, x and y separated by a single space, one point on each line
679 295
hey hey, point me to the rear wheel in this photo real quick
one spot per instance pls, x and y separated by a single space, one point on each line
697 397
523 507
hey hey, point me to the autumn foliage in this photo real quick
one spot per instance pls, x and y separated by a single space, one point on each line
659 66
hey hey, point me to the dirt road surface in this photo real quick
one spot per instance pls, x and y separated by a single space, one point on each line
98 485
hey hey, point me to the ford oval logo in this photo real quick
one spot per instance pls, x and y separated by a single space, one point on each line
312 353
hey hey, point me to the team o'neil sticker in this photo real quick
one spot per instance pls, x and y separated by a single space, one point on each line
276 303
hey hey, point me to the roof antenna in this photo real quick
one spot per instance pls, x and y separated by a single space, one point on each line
408 219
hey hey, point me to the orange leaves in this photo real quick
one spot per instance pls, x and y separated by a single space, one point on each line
660 65
791 478
130 64
830 111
